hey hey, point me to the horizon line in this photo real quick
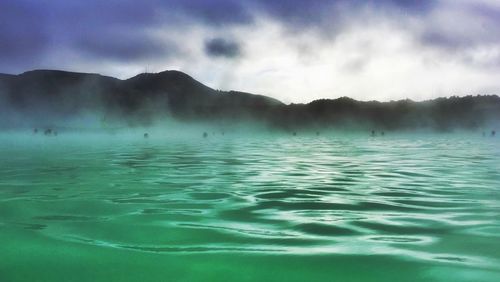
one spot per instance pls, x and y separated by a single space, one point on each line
234 90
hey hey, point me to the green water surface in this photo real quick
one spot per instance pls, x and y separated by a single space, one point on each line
334 207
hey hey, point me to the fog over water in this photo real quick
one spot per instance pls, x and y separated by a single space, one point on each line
225 140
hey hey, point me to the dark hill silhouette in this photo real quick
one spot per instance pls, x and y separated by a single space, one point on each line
5 76
137 100
37 95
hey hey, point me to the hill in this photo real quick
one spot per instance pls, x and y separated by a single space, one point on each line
49 97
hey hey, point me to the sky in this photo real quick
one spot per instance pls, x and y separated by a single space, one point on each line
292 50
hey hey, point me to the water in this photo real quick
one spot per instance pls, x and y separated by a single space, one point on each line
340 207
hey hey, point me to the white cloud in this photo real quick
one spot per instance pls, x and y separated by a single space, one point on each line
376 58
382 61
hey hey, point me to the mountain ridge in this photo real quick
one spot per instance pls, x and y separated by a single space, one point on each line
142 99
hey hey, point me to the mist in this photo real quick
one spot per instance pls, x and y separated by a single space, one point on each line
255 140
174 101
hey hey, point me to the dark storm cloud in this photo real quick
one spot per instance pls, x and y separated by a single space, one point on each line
318 13
23 39
215 12
124 48
118 45
221 47
32 31
119 29
481 27
414 6
112 29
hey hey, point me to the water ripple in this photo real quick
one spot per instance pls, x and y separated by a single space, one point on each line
421 199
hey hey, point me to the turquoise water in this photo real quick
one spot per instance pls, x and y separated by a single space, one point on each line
335 207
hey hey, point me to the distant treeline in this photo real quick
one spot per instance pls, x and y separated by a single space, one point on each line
47 96
442 114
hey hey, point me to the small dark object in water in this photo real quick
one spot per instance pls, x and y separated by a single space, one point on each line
205 135
317 133
146 135
294 133
382 133
493 133
373 133
35 131
47 131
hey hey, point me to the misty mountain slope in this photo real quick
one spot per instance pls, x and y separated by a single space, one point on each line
189 98
56 92
4 76
137 100
50 97
177 89
467 112
442 114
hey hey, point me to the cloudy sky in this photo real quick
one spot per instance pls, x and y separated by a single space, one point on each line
293 50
